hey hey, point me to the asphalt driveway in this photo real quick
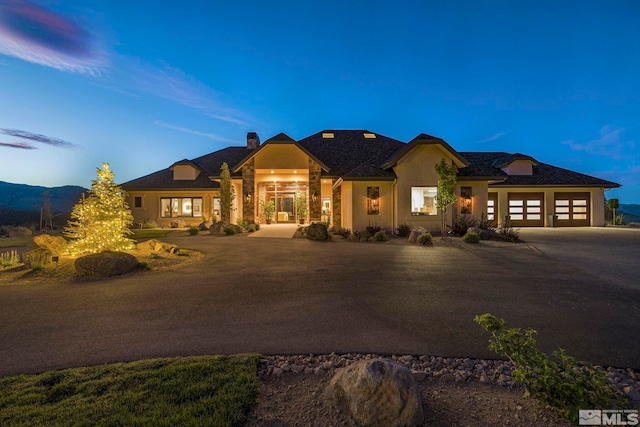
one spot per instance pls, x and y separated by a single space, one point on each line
278 296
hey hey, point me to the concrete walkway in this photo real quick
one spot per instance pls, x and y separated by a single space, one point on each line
279 231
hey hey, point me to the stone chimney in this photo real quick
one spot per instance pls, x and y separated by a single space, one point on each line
253 141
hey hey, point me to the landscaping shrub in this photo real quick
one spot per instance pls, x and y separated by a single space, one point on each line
193 230
153 255
462 224
229 230
142 265
403 230
508 234
471 237
252 228
372 230
4 231
567 385
242 223
149 223
36 260
425 238
380 236
9 259
344 232
257 224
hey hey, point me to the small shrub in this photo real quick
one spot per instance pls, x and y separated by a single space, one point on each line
257 224
344 232
142 265
36 260
252 228
229 230
372 230
149 223
508 234
403 230
9 259
214 219
425 238
193 230
153 255
380 236
484 223
4 231
471 237
242 223
567 385
181 253
462 224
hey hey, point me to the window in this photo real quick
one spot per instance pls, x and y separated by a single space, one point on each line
180 207
373 200
216 207
492 205
465 204
137 202
423 200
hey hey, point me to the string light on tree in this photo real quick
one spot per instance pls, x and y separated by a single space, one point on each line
101 221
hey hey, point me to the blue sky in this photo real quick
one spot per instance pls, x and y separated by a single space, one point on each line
146 83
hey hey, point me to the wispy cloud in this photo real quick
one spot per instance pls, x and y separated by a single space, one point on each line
493 137
611 143
20 145
44 37
37 137
195 132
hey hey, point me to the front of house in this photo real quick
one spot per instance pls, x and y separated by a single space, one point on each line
357 178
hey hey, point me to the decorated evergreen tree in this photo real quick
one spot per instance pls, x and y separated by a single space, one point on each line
101 221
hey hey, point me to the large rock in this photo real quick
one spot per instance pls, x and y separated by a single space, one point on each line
316 231
157 246
56 245
105 264
484 234
415 233
377 392
204 226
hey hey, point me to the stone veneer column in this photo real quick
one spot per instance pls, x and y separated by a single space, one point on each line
336 205
315 186
248 186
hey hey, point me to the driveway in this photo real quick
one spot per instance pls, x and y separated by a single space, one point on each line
279 296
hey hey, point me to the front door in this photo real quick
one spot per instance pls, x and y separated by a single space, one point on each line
284 207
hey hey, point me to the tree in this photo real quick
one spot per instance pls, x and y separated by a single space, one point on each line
227 193
612 205
101 221
47 217
447 178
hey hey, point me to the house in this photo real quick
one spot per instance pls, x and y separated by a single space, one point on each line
356 178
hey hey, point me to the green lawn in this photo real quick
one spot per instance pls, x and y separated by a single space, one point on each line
149 233
193 391
14 241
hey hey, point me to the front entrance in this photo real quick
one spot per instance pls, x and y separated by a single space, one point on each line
284 207
283 195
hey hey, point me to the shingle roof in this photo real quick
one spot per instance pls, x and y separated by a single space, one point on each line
482 164
350 155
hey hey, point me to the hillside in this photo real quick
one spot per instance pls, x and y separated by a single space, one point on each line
22 197
631 212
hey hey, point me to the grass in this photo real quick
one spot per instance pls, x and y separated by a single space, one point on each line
193 391
15 241
148 234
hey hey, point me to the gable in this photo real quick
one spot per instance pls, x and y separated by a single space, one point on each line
281 156
185 173
518 167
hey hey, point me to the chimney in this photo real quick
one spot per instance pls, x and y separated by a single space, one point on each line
253 141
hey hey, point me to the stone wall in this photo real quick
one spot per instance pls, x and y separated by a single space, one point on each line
337 206
248 187
315 186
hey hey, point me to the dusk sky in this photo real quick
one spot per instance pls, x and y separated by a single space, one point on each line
143 84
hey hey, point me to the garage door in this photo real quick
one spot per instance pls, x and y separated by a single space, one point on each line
573 209
526 209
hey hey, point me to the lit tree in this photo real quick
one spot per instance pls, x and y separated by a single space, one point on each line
227 194
613 204
447 178
101 221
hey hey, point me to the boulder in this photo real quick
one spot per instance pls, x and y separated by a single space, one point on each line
105 264
157 246
377 392
316 231
204 226
484 234
56 245
178 223
218 227
20 232
415 233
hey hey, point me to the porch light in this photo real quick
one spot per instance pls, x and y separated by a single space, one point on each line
247 197
313 197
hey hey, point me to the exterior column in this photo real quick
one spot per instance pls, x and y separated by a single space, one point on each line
315 187
336 206
248 187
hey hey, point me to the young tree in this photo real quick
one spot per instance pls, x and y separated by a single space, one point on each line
101 221
447 178
227 194
613 204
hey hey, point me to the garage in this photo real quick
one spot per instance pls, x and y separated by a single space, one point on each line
572 209
526 209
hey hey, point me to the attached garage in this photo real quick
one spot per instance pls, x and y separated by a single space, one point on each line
526 209
572 209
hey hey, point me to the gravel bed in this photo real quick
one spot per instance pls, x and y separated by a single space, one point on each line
457 370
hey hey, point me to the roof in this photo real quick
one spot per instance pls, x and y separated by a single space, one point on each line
424 139
351 155
485 164
507 160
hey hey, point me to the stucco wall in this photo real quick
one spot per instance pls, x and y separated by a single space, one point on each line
285 156
150 209
478 198
358 200
346 204
519 167
184 172
417 169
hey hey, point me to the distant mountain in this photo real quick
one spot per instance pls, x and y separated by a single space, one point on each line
631 212
22 197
